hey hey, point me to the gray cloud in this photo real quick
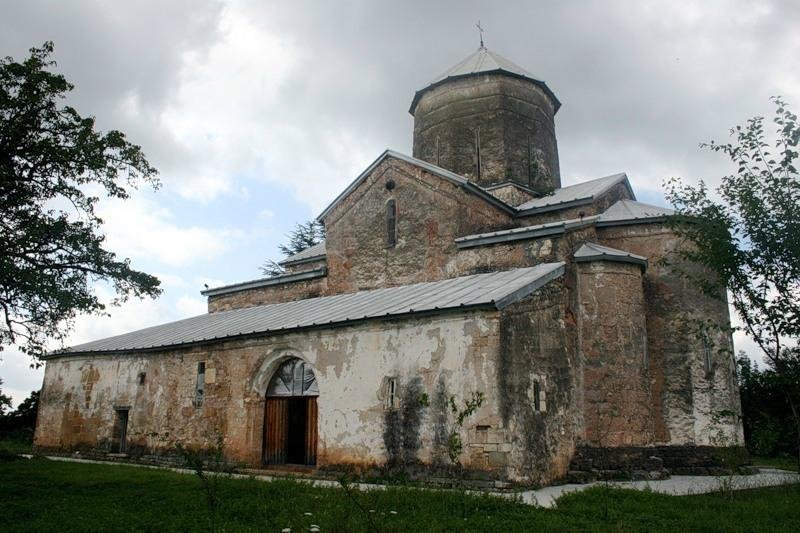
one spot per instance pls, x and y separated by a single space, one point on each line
642 82
305 94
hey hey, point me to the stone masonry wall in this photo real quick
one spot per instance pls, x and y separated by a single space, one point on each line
507 120
431 213
613 352
692 369
517 254
596 207
537 356
285 292
511 194
305 266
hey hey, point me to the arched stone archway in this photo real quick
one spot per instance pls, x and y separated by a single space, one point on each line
290 415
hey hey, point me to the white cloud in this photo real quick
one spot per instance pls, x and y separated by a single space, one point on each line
140 228
19 379
191 306
170 280
231 113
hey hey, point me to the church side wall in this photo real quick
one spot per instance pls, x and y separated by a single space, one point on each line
537 380
437 357
690 352
287 292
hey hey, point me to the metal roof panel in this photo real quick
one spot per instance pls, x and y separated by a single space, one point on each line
586 192
495 289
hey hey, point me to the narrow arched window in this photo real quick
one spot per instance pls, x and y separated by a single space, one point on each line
391 224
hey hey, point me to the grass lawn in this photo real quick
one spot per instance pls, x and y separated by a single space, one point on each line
15 446
785 462
43 495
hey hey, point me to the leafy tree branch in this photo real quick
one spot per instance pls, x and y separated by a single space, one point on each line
747 235
54 165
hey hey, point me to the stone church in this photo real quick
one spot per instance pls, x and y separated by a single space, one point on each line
464 272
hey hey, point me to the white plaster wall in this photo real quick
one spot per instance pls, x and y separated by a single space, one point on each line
350 364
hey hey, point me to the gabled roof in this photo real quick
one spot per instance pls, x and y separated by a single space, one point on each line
591 251
494 290
452 177
310 254
266 282
484 61
578 194
627 211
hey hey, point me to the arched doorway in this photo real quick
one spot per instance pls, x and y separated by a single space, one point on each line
290 415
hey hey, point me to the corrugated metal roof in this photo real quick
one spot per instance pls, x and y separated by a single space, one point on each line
433 169
591 251
484 61
312 253
574 194
496 289
266 282
525 232
626 211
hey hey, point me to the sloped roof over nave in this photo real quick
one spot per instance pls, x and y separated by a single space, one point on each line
493 290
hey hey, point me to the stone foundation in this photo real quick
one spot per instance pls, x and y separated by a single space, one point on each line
592 463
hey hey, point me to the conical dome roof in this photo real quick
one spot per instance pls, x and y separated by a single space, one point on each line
483 61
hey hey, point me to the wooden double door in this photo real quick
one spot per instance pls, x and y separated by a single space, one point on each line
290 430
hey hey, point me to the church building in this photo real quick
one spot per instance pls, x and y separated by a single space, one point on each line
463 274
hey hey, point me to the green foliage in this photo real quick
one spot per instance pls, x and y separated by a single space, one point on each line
303 236
5 401
53 167
17 426
746 237
750 237
424 400
401 426
454 443
42 495
766 413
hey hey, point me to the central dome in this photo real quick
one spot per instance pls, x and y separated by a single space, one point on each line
490 120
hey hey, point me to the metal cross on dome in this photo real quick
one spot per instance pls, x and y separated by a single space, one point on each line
480 30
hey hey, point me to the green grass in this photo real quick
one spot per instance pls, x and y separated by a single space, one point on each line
784 462
43 495
15 446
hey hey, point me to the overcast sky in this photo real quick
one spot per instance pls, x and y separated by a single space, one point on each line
258 113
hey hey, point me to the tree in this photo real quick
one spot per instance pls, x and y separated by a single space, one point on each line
303 236
20 423
766 416
54 166
747 237
5 402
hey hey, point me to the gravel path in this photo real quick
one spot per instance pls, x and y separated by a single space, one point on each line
675 485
